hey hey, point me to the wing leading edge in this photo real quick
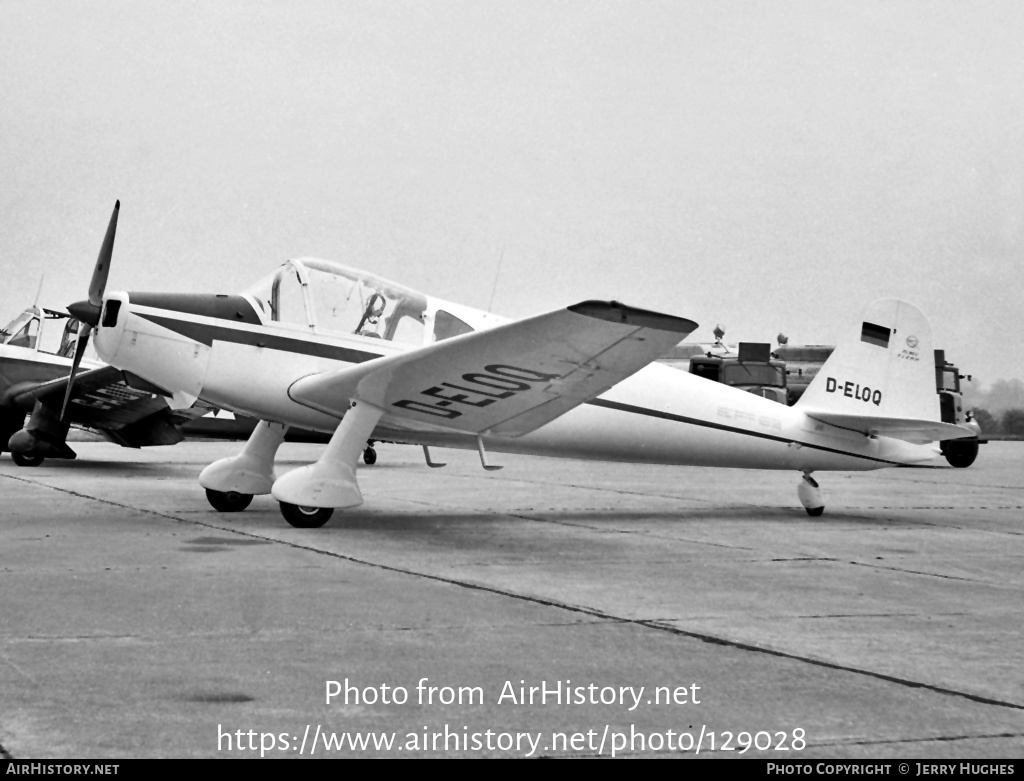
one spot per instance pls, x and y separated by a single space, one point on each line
508 380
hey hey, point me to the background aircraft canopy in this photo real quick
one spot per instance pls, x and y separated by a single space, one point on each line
22 331
30 330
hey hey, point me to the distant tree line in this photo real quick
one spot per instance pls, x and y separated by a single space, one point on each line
1001 396
999 408
1009 423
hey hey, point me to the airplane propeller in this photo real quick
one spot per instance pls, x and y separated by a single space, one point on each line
88 312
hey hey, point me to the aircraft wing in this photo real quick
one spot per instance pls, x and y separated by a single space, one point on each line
507 380
103 400
907 429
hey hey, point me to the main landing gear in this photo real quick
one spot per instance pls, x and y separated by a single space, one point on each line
306 517
23 460
810 495
232 482
369 455
44 436
228 501
308 495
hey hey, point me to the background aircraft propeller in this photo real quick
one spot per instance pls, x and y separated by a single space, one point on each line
88 312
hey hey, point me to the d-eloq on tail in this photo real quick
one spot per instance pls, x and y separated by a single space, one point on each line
880 383
366 359
881 379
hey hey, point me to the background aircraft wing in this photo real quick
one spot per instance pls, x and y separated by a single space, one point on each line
103 400
508 380
907 429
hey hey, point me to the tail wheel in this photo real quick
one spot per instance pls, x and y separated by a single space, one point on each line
228 501
22 460
809 493
306 517
369 456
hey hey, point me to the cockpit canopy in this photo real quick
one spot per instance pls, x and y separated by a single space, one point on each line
328 297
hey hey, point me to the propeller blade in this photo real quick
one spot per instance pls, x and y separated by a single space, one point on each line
84 329
102 269
88 312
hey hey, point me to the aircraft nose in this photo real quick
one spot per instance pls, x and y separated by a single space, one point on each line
86 312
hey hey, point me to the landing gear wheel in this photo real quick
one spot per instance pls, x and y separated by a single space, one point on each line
960 452
22 460
369 456
228 501
306 517
814 512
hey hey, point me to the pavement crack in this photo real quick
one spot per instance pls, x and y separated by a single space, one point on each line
915 572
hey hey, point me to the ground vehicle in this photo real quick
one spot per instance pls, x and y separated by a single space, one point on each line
803 361
750 366
951 406
752 369
784 374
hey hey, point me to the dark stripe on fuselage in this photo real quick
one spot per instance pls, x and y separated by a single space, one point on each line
722 427
234 308
208 334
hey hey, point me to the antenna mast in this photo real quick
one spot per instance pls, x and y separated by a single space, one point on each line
497 273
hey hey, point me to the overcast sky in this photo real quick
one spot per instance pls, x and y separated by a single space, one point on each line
769 166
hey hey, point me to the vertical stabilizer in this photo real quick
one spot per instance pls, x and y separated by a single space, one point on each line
881 368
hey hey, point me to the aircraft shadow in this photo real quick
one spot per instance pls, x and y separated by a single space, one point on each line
609 520
97 467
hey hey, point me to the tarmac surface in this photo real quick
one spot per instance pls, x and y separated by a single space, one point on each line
138 622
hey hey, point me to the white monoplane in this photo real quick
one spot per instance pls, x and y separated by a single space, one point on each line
326 347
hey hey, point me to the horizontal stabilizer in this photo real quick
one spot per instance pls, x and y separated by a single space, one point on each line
508 380
908 429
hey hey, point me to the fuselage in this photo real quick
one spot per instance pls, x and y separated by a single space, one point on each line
229 352
23 367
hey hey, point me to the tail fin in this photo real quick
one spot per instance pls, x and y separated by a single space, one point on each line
880 379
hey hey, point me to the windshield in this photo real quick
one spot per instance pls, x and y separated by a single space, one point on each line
753 374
